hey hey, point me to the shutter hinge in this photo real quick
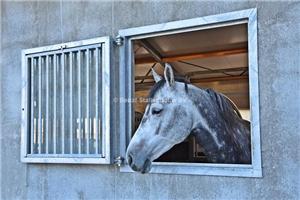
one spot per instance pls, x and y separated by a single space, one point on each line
119 161
119 40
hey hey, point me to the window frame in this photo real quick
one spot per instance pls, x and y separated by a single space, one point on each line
105 101
248 16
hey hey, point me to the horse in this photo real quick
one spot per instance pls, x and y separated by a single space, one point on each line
177 109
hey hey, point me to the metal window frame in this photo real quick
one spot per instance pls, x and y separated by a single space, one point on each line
248 16
105 101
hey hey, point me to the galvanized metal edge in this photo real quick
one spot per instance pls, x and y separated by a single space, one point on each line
126 73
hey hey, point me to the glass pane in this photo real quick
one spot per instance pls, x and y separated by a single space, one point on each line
83 102
67 111
99 94
50 104
92 97
43 104
34 105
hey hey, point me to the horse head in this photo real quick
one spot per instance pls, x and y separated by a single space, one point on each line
167 121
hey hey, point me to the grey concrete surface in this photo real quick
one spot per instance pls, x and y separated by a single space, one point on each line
32 24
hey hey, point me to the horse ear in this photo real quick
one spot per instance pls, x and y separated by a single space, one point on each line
156 76
169 75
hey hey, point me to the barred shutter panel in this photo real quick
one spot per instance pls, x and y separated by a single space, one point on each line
66 96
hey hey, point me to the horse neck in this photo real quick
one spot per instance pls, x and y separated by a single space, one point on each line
207 113
216 132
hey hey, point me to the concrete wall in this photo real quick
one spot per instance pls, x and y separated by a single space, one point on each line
31 24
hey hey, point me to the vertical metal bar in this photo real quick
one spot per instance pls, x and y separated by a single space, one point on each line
104 96
79 99
87 101
63 103
32 104
47 105
97 100
40 105
25 132
54 106
71 102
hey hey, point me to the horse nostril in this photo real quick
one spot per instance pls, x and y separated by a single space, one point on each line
147 161
129 159
146 167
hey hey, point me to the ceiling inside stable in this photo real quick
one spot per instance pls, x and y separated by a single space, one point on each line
216 58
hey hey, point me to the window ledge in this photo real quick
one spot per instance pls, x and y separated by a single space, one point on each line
209 169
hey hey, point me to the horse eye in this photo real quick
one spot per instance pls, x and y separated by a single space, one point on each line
156 111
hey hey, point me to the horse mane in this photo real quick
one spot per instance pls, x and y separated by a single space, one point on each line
224 103
157 86
234 107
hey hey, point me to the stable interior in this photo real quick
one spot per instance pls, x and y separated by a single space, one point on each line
214 58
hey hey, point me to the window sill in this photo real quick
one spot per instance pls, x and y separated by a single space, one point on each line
209 169
65 160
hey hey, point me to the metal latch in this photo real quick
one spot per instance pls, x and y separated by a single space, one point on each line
119 40
119 161
62 47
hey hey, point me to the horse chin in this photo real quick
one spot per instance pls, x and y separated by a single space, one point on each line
143 169
147 167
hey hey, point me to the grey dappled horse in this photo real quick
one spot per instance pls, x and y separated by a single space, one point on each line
176 110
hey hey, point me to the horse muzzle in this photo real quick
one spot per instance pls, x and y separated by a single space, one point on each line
139 164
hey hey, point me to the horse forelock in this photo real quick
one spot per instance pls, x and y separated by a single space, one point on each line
159 85
156 87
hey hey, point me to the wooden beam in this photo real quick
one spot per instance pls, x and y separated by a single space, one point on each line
213 79
191 56
148 85
145 60
216 71
201 72
205 55
152 51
